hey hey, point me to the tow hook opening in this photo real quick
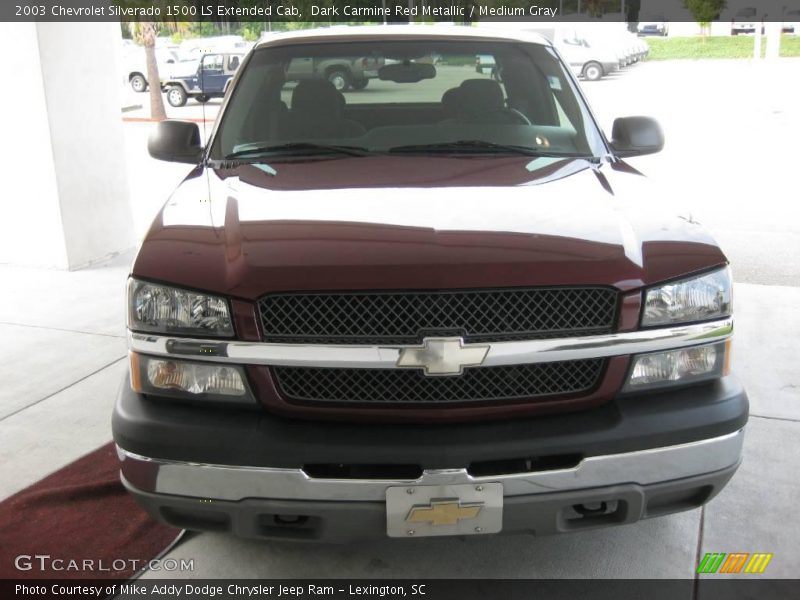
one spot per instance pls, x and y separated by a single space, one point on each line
593 514
288 526
290 519
591 509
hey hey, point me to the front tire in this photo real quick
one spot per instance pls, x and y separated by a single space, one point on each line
138 83
593 71
176 96
340 79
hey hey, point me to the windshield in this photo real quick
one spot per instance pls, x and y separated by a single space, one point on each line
444 97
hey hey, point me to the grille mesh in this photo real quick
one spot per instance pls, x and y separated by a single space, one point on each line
407 317
413 387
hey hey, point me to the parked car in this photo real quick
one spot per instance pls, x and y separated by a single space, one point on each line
623 44
590 61
135 65
196 47
344 72
746 20
653 25
204 78
484 64
359 333
791 22
638 46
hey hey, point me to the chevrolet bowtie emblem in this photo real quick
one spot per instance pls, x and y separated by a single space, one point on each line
443 356
444 512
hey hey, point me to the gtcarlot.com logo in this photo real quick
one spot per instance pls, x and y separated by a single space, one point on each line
48 563
735 562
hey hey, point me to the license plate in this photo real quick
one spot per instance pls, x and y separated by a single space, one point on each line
427 510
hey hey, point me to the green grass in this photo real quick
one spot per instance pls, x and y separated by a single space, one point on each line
790 45
740 46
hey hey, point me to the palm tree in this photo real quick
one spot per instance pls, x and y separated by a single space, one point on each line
145 33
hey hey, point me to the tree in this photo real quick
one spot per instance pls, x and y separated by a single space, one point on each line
705 11
145 34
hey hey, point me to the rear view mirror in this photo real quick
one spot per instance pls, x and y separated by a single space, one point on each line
406 72
176 141
636 136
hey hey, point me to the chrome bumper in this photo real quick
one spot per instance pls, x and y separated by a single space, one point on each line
234 483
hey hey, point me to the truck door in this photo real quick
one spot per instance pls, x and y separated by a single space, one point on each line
213 76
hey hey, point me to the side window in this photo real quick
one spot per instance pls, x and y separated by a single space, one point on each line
233 63
212 62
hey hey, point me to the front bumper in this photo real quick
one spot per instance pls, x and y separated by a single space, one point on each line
610 66
248 471
343 520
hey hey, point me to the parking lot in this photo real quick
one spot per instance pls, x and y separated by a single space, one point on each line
732 129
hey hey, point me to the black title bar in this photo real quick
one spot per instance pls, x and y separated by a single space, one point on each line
392 589
376 11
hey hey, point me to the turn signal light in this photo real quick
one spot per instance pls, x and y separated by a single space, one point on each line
677 367
188 379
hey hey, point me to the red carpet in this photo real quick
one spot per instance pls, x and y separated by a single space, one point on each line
80 513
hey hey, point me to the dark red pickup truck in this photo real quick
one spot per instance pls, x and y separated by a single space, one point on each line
446 306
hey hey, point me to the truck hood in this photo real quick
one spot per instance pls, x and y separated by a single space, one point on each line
419 223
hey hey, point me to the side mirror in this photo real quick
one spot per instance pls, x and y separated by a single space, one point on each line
636 136
176 141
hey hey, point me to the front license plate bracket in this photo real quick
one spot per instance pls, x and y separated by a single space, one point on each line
432 510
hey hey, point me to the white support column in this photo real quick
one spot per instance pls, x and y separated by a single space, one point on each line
773 30
64 195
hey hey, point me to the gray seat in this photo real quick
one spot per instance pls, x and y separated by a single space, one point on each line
482 101
450 103
317 111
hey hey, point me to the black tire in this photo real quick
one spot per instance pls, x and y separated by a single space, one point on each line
138 83
340 79
593 71
360 84
176 96
202 98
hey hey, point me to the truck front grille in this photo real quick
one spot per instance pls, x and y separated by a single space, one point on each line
412 386
407 317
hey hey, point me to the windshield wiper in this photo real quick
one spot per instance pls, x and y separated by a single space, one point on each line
482 146
299 149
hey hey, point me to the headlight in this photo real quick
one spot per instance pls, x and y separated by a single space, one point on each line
677 367
162 309
190 380
697 299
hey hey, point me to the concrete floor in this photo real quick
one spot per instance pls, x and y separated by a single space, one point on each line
64 351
